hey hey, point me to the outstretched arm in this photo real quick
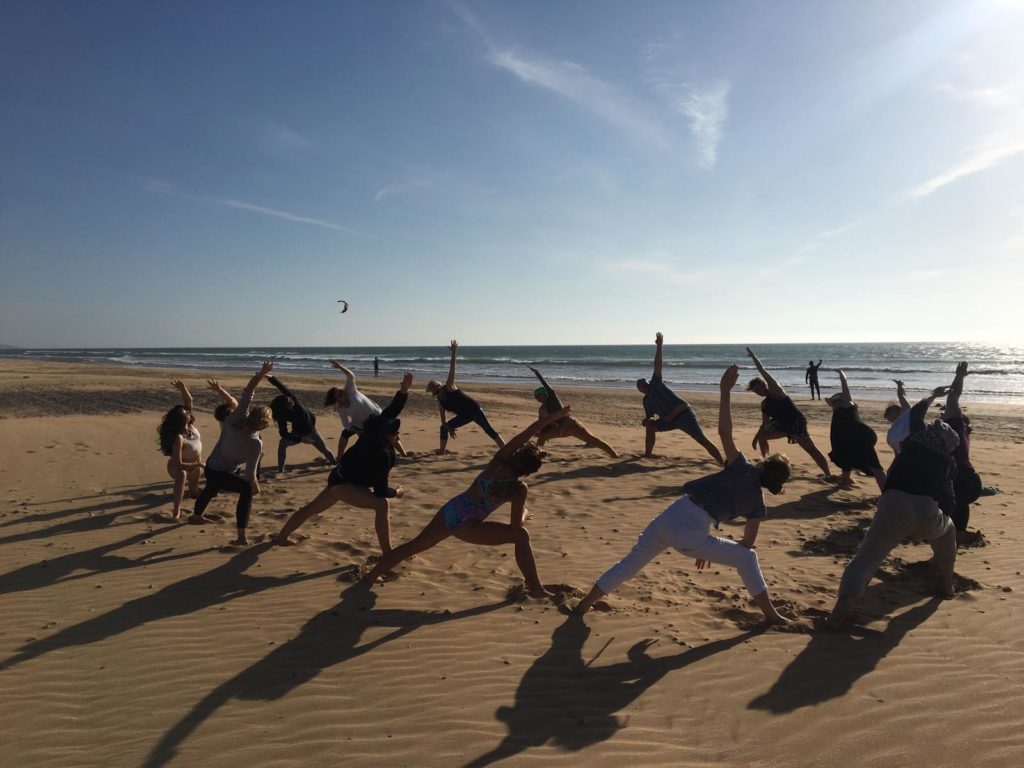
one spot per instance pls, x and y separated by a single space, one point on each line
345 371
281 388
226 396
398 401
267 367
450 381
920 410
186 396
901 395
517 442
729 379
658 341
846 385
955 390
750 533
773 385
553 403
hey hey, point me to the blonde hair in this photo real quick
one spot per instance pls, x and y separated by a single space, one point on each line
259 418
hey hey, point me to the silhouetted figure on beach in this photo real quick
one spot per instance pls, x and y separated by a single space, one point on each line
376 366
811 378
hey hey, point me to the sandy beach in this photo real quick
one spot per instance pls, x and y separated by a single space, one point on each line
130 640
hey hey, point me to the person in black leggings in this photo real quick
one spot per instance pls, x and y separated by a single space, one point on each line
466 409
288 411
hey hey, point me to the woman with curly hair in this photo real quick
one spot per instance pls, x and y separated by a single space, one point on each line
181 443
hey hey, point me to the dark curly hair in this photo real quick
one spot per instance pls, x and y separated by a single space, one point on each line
527 459
774 472
174 422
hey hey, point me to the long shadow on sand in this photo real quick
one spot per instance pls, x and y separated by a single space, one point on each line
225 582
565 700
91 562
621 468
329 638
88 523
124 491
833 661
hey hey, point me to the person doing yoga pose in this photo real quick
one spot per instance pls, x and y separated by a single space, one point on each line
465 516
564 427
353 408
853 441
466 409
780 417
664 410
288 411
181 443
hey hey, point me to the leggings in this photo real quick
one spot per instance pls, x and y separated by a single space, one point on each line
900 516
314 438
686 528
460 421
217 481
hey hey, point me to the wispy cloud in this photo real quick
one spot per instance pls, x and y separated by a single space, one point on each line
281 141
991 96
706 108
160 186
816 241
575 83
397 188
987 154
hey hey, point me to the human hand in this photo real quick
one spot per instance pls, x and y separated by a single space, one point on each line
399 492
179 384
702 564
961 369
940 392
255 487
406 382
267 367
336 365
898 382
454 346
729 378
659 339
213 384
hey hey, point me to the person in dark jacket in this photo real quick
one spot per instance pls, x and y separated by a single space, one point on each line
362 475
466 409
295 424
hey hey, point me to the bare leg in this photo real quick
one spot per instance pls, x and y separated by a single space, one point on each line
845 478
317 440
580 432
431 536
808 445
400 447
771 616
761 439
649 440
178 476
342 442
328 497
282 449
596 593
495 534
382 524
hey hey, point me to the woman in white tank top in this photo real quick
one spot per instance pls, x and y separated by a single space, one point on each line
181 442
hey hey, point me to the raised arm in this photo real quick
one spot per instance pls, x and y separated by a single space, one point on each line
398 401
955 390
773 385
845 383
345 371
901 395
267 367
226 396
186 396
281 388
517 442
450 381
659 340
729 379
553 403
920 409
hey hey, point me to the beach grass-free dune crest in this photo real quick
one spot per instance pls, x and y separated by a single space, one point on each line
129 640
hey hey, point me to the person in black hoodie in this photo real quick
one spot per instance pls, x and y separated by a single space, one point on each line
916 503
288 411
361 477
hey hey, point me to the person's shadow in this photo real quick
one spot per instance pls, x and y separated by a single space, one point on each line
329 638
225 582
90 562
834 660
573 704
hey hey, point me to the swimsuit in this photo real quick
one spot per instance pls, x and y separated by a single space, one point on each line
464 509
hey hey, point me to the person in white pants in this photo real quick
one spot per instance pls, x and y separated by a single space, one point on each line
685 525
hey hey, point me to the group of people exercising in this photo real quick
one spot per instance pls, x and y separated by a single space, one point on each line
925 494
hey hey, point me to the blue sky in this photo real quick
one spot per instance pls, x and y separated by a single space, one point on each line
196 174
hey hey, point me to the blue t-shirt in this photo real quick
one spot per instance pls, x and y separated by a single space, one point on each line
733 492
660 399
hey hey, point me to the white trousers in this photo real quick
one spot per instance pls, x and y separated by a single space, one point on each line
685 527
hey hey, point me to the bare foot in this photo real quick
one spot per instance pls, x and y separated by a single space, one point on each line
195 519
778 620
241 541
539 592
282 541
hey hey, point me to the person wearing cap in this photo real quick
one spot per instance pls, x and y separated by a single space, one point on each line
566 426
664 410
466 409
781 418
853 441
916 503
361 477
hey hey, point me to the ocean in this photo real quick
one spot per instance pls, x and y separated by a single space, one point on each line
997 373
